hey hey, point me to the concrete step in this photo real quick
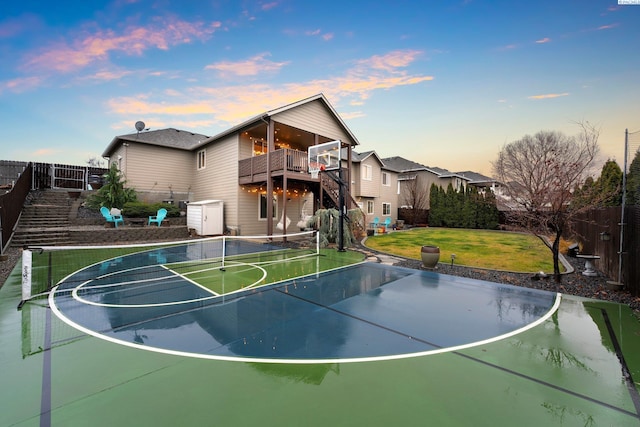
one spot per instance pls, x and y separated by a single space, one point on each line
44 220
44 210
41 240
41 222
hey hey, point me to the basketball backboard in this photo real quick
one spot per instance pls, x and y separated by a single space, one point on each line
325 156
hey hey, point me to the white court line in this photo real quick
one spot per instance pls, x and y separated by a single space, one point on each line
78 298
163 304
525 328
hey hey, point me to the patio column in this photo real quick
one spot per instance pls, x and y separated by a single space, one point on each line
270 149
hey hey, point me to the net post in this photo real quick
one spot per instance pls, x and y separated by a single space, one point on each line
224 249
26 274
317 242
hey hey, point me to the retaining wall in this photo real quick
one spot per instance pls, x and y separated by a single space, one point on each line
128 235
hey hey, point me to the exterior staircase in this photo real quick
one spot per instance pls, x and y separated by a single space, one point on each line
44 220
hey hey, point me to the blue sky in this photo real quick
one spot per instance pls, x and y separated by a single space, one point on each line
443 83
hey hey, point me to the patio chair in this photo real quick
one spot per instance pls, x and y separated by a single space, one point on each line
387 224
115 219
374 225
159 217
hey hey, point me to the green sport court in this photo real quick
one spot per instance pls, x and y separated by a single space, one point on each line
245 333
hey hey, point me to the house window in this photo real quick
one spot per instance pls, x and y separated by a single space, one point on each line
370 207
201 159
367 172
386 181
259 147
386 209
262 200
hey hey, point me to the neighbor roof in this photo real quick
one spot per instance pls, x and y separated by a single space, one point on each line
400 164
171 138
475 177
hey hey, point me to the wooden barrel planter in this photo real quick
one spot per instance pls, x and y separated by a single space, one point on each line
430 256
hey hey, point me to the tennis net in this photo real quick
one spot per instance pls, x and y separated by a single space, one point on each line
43 268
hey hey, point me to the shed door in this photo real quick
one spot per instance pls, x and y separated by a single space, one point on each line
212 221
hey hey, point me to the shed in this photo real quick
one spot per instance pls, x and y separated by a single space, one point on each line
205 217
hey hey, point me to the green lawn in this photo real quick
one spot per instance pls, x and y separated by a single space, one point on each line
496 250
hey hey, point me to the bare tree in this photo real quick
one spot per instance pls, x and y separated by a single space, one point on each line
415 196
540 174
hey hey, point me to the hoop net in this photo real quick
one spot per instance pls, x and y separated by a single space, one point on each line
315 168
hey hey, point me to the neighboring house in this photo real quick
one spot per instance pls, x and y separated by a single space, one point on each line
259 168
374 186
412 174
414 177
481 181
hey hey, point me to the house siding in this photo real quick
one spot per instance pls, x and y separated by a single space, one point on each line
316 118
219 178
251 225
389 194
158 173
370 188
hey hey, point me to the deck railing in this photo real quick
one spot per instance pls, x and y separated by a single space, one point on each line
281 160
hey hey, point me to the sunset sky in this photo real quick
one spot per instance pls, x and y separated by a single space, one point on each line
443 83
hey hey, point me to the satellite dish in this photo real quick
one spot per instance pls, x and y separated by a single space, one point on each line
140 126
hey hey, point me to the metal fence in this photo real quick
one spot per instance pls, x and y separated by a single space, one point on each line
599 233
11 206
61 176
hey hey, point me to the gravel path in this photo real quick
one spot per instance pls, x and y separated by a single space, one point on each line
572 283
13 256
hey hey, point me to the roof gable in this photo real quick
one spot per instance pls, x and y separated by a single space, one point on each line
170 138
284 109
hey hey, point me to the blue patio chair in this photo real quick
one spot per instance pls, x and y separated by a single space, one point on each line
115 219
159 217
374 225
387 224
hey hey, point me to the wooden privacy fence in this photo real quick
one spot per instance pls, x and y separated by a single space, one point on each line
11 205
599 234
10 171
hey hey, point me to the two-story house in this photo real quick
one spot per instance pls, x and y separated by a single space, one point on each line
374 187
259 168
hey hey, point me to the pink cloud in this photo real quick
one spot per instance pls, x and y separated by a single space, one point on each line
20 85
44 152
391 61
224 105
13 27
607 27
249 67
95 47
549 95
269 6
544 40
